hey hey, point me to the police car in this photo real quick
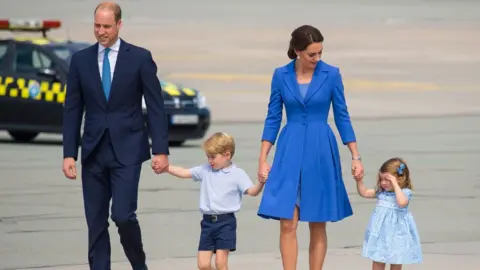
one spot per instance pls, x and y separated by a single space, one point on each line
33 73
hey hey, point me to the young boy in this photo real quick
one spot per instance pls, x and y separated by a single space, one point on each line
222 186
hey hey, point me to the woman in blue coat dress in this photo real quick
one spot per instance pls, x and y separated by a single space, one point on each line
305 181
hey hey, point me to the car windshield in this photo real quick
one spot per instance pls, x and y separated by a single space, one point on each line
65 52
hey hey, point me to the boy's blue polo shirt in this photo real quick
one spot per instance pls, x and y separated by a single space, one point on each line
221 191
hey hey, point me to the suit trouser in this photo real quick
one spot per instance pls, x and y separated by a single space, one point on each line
105 179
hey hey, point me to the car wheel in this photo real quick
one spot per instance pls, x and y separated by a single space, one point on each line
21 136
176 143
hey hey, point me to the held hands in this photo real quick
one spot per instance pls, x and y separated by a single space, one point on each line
69 168
357 170
263 170
160 164
264 178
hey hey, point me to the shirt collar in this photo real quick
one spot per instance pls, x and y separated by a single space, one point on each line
227 169
114 47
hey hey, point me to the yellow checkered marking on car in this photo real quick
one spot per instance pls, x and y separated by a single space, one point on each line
175 91
50 92
189 92
54 92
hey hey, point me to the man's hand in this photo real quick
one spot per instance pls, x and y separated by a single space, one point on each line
69 168
160 164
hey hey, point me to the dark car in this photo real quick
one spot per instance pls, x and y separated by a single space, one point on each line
33 73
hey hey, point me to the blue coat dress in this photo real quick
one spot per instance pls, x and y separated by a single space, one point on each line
306 168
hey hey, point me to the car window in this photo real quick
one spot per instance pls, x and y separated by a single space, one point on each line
29 59
3 53
62 52
65 52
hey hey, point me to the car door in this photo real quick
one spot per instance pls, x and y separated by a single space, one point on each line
6 78
37 90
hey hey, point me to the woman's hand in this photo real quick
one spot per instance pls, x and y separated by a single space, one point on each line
263 170
357 169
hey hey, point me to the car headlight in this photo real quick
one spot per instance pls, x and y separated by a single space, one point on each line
201 101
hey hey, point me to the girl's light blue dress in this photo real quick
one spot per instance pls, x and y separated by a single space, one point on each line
392 235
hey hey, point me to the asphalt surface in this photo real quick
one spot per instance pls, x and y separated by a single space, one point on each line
42 220
398 58
410 71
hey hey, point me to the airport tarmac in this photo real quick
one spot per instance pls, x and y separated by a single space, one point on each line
410 71
42 222
397 58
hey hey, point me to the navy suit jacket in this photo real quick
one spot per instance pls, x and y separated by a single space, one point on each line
135 75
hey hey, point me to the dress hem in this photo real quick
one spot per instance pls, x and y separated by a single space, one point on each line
264 216
391 262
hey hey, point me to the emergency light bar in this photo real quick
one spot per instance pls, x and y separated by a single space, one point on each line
29 25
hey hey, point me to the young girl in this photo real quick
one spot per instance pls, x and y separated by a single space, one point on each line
391 236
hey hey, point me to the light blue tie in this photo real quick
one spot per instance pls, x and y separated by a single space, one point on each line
106 75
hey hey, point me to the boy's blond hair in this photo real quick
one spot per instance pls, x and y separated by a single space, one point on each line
219 143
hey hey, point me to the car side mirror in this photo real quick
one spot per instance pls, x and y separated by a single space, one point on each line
48 72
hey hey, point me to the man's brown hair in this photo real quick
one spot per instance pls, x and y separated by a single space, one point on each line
114 7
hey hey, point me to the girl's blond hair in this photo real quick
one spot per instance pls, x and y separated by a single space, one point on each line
398 168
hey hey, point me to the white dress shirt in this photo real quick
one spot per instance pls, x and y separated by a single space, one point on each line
112 57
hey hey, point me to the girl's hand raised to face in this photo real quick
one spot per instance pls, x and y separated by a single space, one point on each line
391 178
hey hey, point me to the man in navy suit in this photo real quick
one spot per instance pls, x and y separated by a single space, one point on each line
108 79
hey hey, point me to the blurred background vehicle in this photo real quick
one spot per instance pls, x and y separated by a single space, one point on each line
33 74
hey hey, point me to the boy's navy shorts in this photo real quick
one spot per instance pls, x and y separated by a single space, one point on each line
218 232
